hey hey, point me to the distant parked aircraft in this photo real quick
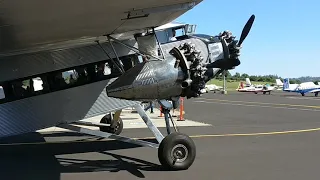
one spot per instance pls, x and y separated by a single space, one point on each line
303 88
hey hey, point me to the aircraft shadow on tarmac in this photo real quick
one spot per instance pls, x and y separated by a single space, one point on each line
38 161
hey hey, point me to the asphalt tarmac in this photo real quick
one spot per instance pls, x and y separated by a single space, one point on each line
251 137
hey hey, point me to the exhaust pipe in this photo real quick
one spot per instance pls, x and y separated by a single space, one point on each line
186 83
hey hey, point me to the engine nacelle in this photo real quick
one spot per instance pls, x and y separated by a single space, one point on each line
162 79
148 81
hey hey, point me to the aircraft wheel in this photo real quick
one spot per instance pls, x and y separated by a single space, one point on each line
177 151
316 94
107 120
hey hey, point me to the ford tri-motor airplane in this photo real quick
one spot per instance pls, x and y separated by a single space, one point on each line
303 88
64 61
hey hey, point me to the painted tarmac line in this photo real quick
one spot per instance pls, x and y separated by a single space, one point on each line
257 105
262 103
305 98
257 134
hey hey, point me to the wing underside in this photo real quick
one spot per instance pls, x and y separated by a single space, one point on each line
25 24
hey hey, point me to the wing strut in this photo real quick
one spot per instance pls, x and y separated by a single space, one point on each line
133 48
115 53
117 65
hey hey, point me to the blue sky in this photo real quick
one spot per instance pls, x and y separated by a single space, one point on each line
284 39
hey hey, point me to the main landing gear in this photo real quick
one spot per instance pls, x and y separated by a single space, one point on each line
176 151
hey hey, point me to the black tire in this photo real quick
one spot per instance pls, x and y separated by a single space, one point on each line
107 120
170 145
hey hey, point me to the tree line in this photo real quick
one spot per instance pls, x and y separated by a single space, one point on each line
265 78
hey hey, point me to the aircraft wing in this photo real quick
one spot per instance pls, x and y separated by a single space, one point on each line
37 23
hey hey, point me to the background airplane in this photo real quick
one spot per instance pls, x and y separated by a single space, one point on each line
303 88
212 87
279 83
249 87
255 89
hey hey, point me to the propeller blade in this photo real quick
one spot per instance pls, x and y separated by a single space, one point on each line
227 63
246 29
224 64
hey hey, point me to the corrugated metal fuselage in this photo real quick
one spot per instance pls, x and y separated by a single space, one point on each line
69 105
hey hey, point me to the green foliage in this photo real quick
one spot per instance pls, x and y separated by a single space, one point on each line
294 81
241 77
232 85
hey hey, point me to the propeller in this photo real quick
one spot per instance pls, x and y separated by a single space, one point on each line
246 29
228 63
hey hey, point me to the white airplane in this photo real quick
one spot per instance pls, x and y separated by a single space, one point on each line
212 87
303 88
254 88
65 61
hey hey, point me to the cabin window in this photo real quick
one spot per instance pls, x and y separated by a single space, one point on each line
37 84
106 69
140 59
63 79
2 95
179 32
20 88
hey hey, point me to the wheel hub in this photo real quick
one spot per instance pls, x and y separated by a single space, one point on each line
116 127
179 153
